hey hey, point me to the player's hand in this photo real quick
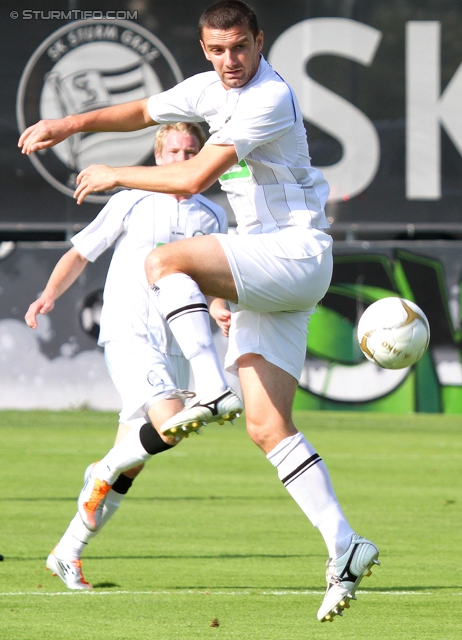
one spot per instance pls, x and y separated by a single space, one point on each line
219 311
44 134
223 320
43 305
96 177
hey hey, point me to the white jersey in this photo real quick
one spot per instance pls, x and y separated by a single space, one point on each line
273 185
137 222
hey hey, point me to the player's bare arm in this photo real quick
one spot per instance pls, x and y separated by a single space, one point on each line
65 273
182 178
130 116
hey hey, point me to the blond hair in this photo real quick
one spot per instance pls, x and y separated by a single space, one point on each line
188 128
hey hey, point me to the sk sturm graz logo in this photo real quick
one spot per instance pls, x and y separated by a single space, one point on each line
86 65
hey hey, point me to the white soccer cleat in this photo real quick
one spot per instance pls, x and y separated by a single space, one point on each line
91 500
69 570
343 576
226 406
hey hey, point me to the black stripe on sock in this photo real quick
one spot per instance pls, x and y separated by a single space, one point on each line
311 461
122 484
190 308
152 441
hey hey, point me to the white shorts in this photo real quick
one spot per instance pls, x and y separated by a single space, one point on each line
143 376
280 278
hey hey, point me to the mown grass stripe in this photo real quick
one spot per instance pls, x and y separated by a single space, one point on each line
208 593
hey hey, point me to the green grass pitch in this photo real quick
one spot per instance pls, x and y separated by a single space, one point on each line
209 533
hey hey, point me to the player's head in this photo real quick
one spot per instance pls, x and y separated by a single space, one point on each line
177 142
231 41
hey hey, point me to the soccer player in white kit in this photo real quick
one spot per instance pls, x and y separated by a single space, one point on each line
142 356
273 273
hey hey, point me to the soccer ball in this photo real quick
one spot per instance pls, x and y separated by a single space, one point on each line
394 333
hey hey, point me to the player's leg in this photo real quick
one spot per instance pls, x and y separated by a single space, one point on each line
270 349
268 395
181 273
161 400
121 486
143 376
65 559
201 258
149 438
284 271
170 372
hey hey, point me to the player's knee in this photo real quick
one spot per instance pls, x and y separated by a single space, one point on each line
160 262
167 260
258 433
154 266
266 434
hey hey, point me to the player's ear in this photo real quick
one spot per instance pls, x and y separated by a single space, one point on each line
204 50
259 40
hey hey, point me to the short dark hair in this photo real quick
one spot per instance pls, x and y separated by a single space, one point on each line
226 14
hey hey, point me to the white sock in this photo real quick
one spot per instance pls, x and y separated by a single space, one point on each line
186 312
306 478
77 536
128 453
74 539
335 530
111 504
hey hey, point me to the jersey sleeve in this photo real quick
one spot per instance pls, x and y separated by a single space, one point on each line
259 118
104 230
176 104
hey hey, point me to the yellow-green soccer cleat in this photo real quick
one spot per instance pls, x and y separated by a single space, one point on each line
343 576
226 406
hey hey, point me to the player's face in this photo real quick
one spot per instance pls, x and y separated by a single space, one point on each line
234 53
177 147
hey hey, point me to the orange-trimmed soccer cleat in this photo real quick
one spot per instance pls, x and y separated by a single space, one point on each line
69 570
91 500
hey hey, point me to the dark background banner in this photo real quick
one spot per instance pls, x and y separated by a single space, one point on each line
378 82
